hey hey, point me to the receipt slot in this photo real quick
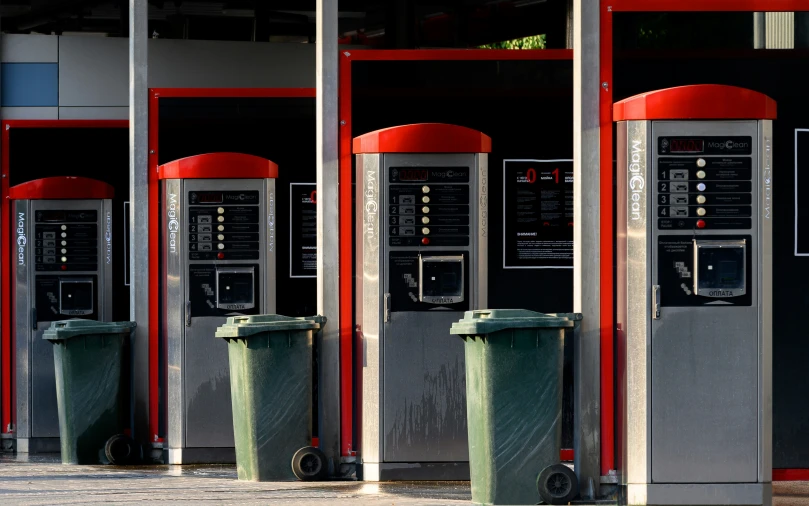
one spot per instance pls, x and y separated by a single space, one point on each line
421 262
62 269
217 260
695 295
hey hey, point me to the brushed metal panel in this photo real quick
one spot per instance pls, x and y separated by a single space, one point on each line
638 352
765 309
44 412
713 494
173 324
110 112
424 412
105 259
705 396
480 276
215 64
270 275
93 71
33 48
29 112
369 295
23 297
208 411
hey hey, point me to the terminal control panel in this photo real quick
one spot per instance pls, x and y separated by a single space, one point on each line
223 226
428 237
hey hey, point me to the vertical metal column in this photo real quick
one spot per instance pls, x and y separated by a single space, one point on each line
139 212
586 244
328 237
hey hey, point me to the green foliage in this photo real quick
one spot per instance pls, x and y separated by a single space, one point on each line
532 42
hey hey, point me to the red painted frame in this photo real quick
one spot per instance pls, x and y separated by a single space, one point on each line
346 239
155 94
607 8
6 345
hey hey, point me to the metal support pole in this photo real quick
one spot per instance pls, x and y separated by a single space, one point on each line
586 245
328 237
139 214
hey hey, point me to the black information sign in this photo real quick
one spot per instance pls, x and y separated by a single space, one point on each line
538 210
801 190
302 230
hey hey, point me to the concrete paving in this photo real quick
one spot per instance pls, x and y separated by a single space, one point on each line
42 480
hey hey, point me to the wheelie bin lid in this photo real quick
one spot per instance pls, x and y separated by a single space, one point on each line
488 321
66 329
244 326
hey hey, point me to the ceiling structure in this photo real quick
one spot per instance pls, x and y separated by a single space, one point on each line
376 23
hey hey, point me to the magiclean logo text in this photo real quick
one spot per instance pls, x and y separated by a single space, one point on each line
637 182
173 227
729 144
108 237
371 207
22 240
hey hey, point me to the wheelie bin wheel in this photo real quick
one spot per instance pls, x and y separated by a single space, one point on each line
120 450
557 484
309 464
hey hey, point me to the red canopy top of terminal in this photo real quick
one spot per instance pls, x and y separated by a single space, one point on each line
424 138
703 101
61 188
219 166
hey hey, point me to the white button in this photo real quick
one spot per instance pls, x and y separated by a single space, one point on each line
221 237
701 187
64 243
221 210
701 174
221 228
425 231
64 251
425 209
700 211
64 227
425 189
701 199
425 199
220 219
220 246
64 259
425 220
701 162
64 234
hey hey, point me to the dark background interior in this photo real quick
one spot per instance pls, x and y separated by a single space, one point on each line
730 60
526 107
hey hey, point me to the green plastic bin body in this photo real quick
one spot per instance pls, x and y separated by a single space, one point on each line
270 360
89 358
514 362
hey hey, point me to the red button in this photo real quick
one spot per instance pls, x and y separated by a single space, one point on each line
425 240
64 267
220 256
700 223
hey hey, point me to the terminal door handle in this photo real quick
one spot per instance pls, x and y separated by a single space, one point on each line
188 314
386 314
656 302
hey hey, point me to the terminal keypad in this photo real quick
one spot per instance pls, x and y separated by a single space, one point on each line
704 183
223 225
66 240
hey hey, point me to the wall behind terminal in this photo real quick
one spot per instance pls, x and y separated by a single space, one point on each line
772 72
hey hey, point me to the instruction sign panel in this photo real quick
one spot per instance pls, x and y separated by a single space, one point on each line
302 230
801 192
538 214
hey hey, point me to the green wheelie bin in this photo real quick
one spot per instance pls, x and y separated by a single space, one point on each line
89 358
270 358
514 362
